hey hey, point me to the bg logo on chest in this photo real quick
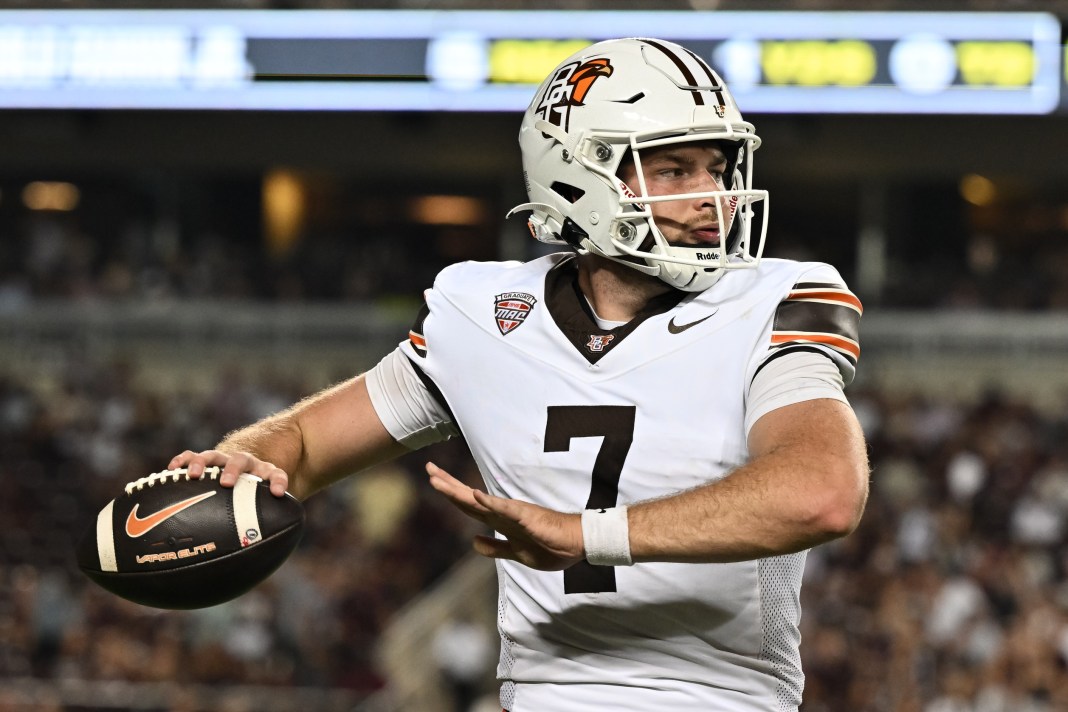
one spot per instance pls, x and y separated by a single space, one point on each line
511 309
599 342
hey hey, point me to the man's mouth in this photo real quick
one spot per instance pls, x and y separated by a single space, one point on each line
706 235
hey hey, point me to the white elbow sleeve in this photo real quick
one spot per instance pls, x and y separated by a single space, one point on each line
407 409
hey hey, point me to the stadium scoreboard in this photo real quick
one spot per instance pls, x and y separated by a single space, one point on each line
775 62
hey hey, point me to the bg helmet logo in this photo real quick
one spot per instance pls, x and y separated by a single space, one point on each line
569 87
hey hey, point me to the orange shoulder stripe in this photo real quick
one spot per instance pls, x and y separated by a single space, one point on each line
833 340
841 297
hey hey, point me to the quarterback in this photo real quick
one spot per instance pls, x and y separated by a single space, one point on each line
656 410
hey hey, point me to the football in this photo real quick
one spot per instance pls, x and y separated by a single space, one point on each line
171 541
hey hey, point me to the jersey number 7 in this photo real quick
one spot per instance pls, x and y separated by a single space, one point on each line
615 423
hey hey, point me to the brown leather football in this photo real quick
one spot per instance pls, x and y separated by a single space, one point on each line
171 541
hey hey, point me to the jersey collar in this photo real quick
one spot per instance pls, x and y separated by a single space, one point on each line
573 317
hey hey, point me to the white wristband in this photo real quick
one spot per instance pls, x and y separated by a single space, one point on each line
606 536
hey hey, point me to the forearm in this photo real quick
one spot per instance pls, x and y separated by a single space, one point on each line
747 515
806 483
320 440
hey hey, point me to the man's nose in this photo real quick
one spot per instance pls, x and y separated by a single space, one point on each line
706 182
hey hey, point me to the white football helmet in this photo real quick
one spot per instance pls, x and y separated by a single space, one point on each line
613 99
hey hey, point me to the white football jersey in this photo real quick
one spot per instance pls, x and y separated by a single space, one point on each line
571 416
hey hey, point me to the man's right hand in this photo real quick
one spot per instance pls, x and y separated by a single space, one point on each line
232 465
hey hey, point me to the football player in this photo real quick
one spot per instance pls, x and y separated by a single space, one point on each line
657 412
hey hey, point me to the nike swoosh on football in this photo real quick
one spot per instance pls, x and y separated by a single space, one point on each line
137 526
679 328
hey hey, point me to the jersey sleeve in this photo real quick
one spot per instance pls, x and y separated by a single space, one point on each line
406 406
818 314
796 377
407 401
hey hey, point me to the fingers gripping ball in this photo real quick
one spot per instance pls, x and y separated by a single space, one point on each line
174 542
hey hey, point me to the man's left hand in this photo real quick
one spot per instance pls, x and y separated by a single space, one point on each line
537 537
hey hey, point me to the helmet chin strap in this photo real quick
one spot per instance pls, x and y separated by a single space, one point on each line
680 276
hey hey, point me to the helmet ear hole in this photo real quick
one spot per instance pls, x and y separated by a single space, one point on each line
568 192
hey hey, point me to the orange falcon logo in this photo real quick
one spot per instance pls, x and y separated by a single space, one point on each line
137 526
569 87
584 77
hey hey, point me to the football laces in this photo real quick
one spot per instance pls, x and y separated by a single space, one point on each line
155 478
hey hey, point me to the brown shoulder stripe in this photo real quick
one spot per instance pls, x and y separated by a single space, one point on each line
818 313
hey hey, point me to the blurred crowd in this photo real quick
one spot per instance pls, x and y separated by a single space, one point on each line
56 256
370 546
87 258
951 597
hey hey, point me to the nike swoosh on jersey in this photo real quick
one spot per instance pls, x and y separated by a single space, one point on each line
679 328
137 526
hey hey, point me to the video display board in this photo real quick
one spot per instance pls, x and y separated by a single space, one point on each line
775 62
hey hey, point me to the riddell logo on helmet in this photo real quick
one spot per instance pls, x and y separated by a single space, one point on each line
627 192
569 87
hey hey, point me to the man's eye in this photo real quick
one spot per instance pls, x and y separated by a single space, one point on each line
719 174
